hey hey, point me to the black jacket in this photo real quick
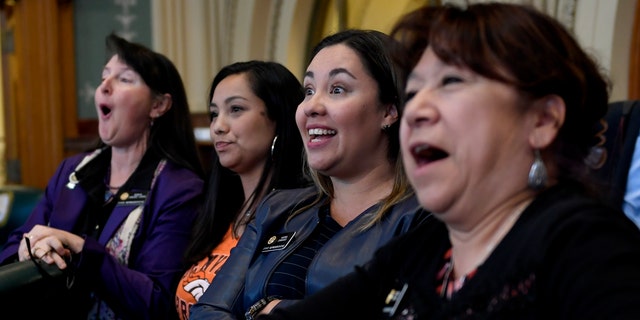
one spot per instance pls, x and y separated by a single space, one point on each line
567 257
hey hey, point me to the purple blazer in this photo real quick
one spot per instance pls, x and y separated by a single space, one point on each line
145 288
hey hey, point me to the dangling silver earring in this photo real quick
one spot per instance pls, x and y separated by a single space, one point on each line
537 173
273 145
151 122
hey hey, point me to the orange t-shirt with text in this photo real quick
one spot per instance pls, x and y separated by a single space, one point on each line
197 279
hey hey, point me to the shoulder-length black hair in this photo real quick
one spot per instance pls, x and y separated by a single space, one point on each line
171 134
281 93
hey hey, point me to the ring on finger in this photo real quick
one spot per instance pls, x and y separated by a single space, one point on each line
41 256
44 254
35 251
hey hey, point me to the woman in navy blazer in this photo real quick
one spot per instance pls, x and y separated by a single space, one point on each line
117 219
303 239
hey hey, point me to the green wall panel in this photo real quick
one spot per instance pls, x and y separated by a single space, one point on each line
94 20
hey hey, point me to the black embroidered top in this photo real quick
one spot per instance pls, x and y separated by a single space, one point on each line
567 257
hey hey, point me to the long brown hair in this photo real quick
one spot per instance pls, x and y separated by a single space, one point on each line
375 50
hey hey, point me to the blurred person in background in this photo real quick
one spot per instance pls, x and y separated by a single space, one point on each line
117 220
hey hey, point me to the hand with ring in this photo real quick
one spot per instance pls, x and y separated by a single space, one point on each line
35 252
28 242
50 245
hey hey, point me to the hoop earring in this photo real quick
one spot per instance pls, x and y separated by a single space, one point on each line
537 173
273 145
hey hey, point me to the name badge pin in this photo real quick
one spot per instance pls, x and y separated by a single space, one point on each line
278 242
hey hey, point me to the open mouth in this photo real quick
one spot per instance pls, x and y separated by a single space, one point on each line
105 110
424 154
317 133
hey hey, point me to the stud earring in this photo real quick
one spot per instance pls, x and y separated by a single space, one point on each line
537 173
385 127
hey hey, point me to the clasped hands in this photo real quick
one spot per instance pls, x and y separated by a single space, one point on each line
50 245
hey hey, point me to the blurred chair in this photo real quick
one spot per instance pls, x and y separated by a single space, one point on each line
620 174
16 204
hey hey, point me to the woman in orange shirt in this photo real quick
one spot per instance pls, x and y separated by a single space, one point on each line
257 149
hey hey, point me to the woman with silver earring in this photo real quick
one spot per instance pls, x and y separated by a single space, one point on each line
537 173
252 107
304 239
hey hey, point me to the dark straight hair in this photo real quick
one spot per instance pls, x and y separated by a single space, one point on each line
281 93
172 135
376 52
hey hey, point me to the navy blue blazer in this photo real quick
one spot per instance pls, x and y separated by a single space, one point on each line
242 279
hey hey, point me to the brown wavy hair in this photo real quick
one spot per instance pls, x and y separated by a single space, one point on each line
375 50
520 46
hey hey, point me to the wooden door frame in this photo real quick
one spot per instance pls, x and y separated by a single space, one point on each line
40 100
